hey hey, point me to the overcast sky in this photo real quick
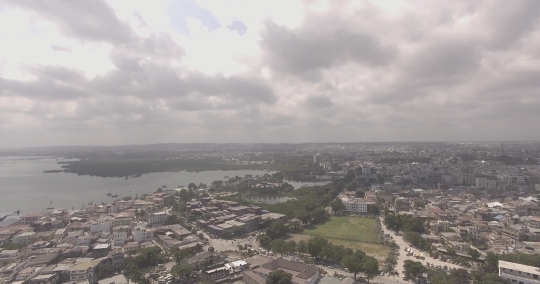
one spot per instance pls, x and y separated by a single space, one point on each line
96 72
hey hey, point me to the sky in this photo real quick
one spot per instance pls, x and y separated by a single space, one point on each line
112 72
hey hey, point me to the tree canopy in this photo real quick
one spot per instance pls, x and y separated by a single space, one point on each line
279 277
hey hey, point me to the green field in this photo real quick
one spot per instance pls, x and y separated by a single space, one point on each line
346 228
376 250
352 232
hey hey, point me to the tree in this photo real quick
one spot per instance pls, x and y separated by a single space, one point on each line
264 240
183 194
473 253
413 269
370 266
105 270
493 279
276 230
291 246
337 205
301 246
315 246
192 186
279 277
476 276
319 214
172 219
359 194
372 209
303 216
278 246
492 263
310 206
460 275
354 263
182 272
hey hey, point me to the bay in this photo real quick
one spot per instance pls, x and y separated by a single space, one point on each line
24 186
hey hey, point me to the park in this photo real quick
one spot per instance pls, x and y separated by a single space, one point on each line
350 231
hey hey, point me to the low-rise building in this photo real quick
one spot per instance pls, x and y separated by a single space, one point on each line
518 273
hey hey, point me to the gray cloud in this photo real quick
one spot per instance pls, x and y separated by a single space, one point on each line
457 70
322 42
85 19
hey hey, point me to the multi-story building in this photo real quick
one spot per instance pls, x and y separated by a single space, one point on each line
439 226
156 217
518 273
85 271
29 218
142 234
355 205
486 182
23 238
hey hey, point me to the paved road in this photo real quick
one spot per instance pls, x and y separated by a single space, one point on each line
403 256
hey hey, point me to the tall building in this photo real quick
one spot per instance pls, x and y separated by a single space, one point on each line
317 158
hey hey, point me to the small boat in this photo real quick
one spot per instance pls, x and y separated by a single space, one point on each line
109 194
164 186
116 195
50 208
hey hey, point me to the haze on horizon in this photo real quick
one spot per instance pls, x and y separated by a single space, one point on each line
115 72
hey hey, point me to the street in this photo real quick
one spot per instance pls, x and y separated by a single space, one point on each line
403 256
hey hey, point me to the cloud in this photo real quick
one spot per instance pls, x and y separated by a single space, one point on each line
86 19
101 72
322 42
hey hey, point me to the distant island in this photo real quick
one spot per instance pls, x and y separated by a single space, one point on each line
52 171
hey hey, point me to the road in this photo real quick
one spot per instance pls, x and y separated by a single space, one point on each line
403 256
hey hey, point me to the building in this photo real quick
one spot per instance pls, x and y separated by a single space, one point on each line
402 204
518 273
29 218
84 270
486 182
156 218
142 234
354 205
23 238
301 273
317 158
119 238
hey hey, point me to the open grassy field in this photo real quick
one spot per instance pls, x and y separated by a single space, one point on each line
376 250
352 232
346 228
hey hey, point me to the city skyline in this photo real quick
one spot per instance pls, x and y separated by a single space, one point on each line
138 72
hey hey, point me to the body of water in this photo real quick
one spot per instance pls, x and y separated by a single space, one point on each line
299 184
24 186
269 199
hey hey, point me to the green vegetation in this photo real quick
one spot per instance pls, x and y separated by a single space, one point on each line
346 228
279 277
137 167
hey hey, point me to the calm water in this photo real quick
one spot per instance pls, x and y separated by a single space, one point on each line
24 186
270 199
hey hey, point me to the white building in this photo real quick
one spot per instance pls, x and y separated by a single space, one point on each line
317 158
101 224
518 273
119 238
156 217
354 205
142 234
